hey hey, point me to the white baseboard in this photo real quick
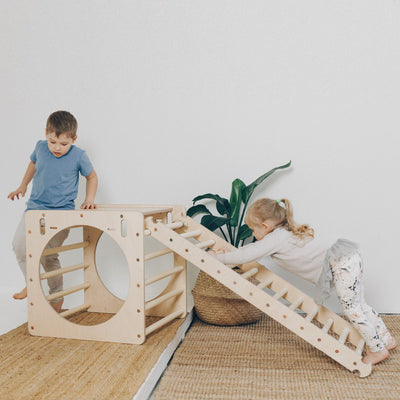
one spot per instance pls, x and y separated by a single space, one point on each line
156 372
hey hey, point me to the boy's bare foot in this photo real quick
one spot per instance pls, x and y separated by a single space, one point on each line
57 305
22 294
391 344
375 357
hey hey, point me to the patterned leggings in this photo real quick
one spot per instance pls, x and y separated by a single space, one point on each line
347 277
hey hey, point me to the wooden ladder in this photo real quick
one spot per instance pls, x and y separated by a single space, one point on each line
286 304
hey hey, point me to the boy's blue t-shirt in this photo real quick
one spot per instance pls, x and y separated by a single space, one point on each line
55 183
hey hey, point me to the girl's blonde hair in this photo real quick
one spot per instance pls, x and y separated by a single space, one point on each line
280 211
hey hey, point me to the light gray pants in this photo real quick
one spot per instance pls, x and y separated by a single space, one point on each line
49 263
347 276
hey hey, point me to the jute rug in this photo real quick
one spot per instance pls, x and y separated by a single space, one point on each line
61 369
266 361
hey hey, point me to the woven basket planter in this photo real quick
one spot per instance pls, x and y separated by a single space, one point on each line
217 305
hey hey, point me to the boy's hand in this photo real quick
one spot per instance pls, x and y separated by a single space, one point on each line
16 193
91 187
87 205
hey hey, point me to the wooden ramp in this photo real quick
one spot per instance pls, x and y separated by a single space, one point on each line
293 309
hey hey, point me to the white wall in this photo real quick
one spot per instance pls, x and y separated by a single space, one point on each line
178 98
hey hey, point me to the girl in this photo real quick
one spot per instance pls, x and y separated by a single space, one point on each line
294 248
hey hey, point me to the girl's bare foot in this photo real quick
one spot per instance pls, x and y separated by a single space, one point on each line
57 305
391 344
375 357
21 295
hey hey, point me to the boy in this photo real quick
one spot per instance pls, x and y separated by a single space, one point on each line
55 166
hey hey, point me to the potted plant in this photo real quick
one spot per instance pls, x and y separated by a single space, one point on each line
214 302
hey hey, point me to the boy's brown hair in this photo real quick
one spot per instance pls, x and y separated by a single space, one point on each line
62 122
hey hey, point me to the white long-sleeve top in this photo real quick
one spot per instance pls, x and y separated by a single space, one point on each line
303 257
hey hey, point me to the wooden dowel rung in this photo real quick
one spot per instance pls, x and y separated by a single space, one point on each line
152 303
55 250
156 254
206 243
163 321
280 294
174 225
264 284
62 271
344 335
360 346
74 310
249 273
163 275
192 234
312 314
296 304
327 325
65 292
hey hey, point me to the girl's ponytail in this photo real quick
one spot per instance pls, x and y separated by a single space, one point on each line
301 231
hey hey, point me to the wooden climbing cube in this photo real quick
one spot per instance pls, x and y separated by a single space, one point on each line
125 224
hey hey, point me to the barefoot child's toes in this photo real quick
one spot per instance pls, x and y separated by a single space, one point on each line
391 344
21 295
375 357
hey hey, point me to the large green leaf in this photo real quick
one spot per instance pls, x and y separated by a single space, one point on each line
248 190
223 205
198 209
236 200
244 232
212 223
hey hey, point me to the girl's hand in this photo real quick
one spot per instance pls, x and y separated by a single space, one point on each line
215 253
212 253
88 206
16 193
223 251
